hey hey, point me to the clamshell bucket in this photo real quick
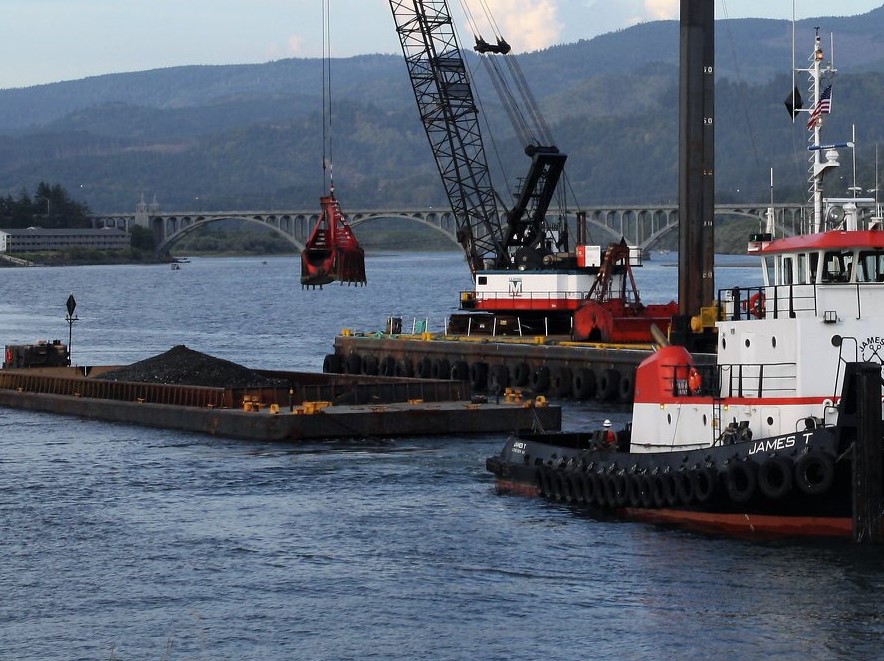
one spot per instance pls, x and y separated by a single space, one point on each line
332 252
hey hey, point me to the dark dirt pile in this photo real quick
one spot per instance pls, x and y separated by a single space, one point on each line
180 365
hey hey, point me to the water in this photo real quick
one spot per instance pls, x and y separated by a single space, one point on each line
125 543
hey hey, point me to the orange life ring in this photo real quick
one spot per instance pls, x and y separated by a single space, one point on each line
695 381
756 305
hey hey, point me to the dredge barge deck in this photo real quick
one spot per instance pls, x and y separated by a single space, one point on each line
547 365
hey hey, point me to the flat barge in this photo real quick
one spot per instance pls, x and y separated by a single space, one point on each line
552 366
309 407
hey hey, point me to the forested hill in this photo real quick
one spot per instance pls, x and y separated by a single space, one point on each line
249 136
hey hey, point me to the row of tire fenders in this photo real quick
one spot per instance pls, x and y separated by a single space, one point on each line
605 485
606 384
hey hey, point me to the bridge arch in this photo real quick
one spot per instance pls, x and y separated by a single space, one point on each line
171 229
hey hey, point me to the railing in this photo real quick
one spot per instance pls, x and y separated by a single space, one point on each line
791 301
719 381
470 300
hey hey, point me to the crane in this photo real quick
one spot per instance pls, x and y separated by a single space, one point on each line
523 266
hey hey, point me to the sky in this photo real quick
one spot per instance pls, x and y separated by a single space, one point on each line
47 41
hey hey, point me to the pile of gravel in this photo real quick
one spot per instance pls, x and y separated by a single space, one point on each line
180 365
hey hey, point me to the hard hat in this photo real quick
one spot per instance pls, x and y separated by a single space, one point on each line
607 423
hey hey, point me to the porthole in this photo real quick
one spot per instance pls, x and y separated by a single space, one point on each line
769 421
773 342
747 343
724 343
668 418
705 422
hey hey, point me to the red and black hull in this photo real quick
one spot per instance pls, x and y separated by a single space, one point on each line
788 486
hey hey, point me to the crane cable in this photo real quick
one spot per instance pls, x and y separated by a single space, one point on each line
326 100
521 106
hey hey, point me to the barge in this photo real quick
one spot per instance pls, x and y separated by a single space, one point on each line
273 406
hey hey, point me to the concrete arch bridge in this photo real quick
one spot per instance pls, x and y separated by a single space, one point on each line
641 225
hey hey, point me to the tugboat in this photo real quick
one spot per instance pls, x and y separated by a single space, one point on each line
783 434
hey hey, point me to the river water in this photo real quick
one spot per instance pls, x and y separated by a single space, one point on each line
125 543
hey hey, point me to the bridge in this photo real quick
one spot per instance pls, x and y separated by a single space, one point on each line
641 225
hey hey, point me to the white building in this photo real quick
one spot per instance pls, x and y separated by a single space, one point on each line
37 239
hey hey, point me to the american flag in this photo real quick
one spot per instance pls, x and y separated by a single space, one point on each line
822 107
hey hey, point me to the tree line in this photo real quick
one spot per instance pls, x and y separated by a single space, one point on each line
49 207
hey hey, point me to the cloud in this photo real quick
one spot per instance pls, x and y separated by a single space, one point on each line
527 24
293 46
661 9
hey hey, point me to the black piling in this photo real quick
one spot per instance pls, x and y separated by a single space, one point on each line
868 457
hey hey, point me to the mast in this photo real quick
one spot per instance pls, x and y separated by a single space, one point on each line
822 157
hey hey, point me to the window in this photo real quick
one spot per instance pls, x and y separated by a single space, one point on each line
837 266
870 266
786 271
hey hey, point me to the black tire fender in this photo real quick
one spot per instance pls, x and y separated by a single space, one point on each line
740 480
775 477
583 383
606 385
814 473
540 379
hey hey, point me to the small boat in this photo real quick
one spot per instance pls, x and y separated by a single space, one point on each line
782 435
176 266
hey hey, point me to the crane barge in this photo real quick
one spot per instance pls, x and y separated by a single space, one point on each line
530 283
524 266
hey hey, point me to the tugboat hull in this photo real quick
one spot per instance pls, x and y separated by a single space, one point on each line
798 485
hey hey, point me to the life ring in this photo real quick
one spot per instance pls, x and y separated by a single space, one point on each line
460 371
522 374
583 383
331 364
561 382
440 369
695 381
775 477
607 385
740 479
540 379
704 480
756 304
814 473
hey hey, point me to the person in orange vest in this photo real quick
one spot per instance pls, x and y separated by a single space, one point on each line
610 438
